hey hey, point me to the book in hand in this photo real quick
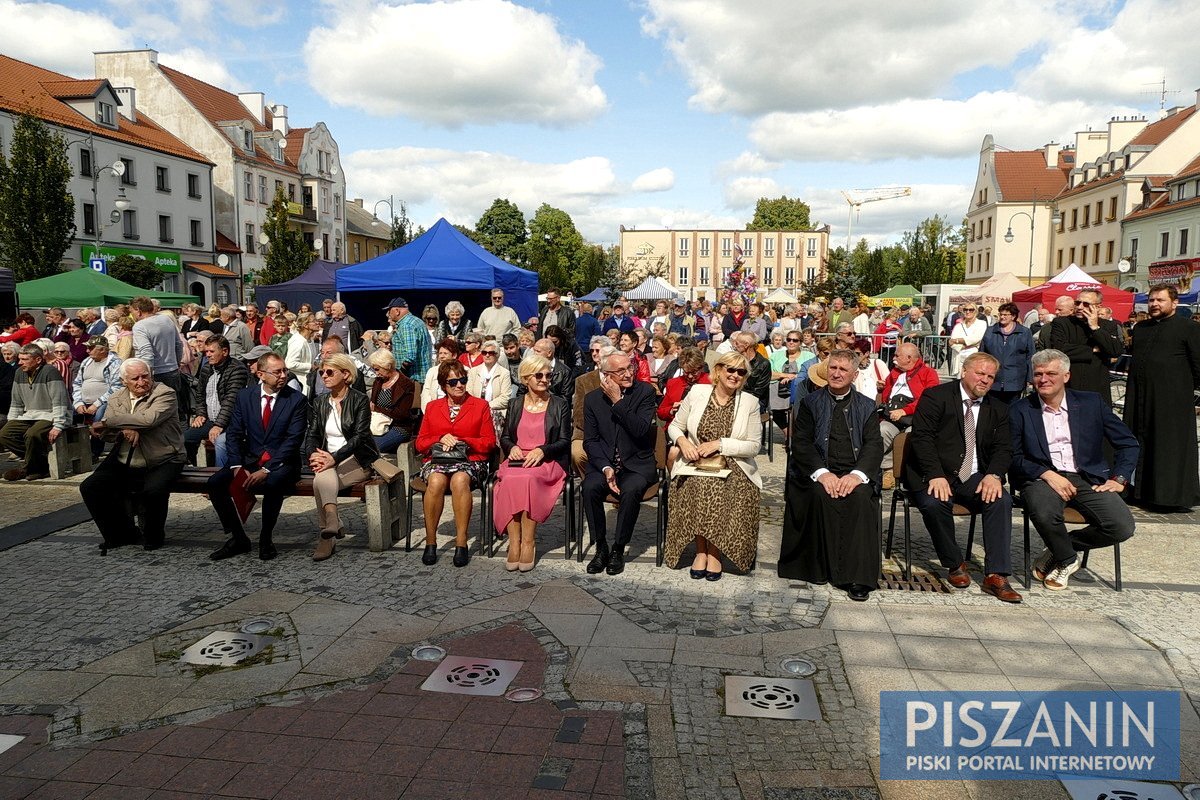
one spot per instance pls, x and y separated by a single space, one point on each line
243 500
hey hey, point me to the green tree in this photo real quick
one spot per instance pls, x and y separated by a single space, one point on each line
592 262
502 230
841 280
934 252
401 232
553 248
135 270
37 212
613 278
287 254
468 232
781 214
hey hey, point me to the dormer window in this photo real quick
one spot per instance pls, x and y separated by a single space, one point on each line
105 114
248 140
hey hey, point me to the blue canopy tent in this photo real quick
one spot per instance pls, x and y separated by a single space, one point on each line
311 286
1190 297
439 266
597 295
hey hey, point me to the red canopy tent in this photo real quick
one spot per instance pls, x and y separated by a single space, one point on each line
1069 281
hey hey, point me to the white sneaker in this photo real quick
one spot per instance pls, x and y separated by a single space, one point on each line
1041 564
1058 577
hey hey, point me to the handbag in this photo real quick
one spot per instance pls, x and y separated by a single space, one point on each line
380 423
713 463
455 455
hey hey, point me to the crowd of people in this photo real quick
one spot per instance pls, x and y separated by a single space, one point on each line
615 394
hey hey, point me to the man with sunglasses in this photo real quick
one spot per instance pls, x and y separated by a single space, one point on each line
498 319
1093 344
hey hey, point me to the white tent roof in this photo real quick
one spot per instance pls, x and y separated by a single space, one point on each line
779 296
652 289
1073 274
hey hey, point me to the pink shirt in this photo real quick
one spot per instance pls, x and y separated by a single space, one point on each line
1058 436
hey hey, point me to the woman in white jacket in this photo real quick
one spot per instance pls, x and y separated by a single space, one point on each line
965 336
300 352
716 428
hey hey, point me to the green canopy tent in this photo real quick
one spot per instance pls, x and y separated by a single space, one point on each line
898 295
85 287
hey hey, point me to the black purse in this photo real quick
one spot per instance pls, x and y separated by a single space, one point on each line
455 455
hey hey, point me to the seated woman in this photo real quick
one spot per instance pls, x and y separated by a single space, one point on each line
536 446
719 514
691 366
447 350
565 348
491 381
628 344
392 395
338 445
458 418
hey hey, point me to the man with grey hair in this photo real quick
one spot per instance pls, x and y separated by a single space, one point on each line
585 384
40 411
758 383
1059 460
1093 344
344 326
561 376
143 421
498 319
236 333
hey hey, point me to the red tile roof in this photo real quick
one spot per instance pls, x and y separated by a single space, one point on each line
295 144
1190 171
1162 205
1023 174
1112 177
211 270
218 105
1156 132
224 244
25 88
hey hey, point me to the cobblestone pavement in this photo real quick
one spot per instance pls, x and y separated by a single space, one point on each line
90 673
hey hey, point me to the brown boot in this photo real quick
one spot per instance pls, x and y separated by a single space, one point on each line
325 548
332 523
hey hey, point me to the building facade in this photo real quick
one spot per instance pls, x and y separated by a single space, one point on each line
696 262
1160 236
366 236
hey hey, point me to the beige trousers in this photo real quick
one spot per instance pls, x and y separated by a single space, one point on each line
327 484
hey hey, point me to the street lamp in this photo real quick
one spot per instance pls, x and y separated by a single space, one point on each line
1008 235
121 204
390 202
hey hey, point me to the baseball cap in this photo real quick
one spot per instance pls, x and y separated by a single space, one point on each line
255 353
396 302
700 336
679 301
96 341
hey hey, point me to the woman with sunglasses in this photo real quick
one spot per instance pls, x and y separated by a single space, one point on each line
430 316
471 357
719 514
299 349
786 363
965 336
338 445
491 382
536 446
447 351
459 426
64 362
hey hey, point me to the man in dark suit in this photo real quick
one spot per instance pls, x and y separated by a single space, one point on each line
619 438
263 438
1058 460
959 450
1092 344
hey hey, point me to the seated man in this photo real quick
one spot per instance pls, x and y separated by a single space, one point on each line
585 384
562 380
905 384
758 383
1058 461
214 393
264 437
959 450
147 458
830 531
619 437
40 410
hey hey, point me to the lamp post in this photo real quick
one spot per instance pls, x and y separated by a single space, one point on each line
1008 235
120 205
391 204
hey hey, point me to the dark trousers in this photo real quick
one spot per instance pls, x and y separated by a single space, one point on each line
595 489
272 492
177 381
1109 519
28 440
113 490
193 438
997 524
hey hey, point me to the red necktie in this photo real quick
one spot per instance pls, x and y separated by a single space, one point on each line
265 457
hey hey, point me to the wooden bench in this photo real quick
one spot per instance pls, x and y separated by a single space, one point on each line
71 453
385 500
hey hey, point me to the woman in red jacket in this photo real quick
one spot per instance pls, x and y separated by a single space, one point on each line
25 333
691 366
628 344
456 439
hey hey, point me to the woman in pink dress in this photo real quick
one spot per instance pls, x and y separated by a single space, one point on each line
535 446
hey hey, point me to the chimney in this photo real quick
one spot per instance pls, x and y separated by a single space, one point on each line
280 115
358 201
127 95
255 103
1198 98
1052 149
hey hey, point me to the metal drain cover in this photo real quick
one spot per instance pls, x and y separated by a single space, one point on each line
9 740
773 698
523 695
429 652
1093 788
466 675
257 625
800 667
224 648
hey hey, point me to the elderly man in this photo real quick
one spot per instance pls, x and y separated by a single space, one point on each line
143 421
268 329
344 326
156 341
56 323
38 414
213 396
619 438
959 450
1092 344
619 321
410 342
758 383
1058 439
98 379
562 380
585 384
253 323
914 326
236 333
908 380
90 317
1064 306
498 319
830 529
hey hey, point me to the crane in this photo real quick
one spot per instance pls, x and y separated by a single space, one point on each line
856 197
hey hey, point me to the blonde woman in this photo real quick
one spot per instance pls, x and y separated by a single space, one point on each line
298 357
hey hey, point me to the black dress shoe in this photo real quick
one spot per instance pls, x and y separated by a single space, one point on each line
429 558
599 561
231 548
155 544
714 576
858 592
267 551
616 563
461 556
698 574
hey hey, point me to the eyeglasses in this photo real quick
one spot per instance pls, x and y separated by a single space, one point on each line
970 310
620 371
273 371
325 373
739 371
431 319
1083 303
456 381
61 351
496 297
595 350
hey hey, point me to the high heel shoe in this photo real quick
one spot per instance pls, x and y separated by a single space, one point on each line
525 566
511 566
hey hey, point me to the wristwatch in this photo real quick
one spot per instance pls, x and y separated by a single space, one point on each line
1121 479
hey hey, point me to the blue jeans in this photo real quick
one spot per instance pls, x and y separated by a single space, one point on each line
390 442
193 438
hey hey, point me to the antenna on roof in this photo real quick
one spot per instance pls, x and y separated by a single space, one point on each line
1162 93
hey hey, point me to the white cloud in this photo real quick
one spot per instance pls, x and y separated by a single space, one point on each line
924 128
455 62
58 38
743 193
779 55
747 162
656 180
200 64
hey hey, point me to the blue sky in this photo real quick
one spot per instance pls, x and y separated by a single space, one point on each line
654 113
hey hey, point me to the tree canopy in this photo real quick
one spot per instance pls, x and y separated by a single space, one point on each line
502 230
37 212
401 232
934 252
780 214
135 271
287 254
554 248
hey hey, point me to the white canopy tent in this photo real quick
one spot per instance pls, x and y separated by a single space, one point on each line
652 289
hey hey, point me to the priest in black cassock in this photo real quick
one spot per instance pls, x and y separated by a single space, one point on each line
1164 371
831 526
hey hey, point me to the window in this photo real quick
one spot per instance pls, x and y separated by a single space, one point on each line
1183 241
250 238
812 247
262 188
1074 219
1096 253
129 224
747 246
164 229
1112 209
789 247
85 162
789 276
810 274
1099 210
1133 250
704 276
278 190
726 246
291 194
89 219
248 185
769 247
705 247
1072 254
324 242
1164 246
337 206
376 250
768 275
989 228
683 276
197 234
222 294
1087 213
193 185
358 254
162 179
1108 251
1083 256
104 113
1058 263
324 200
128 177
987 261
248 140
684 245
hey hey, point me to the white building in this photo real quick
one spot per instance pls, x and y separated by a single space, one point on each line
1161 237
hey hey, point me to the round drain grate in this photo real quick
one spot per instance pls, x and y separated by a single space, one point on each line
470 676
800 667
258 626
234 648
523 695
1192 791
429 652
771 696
